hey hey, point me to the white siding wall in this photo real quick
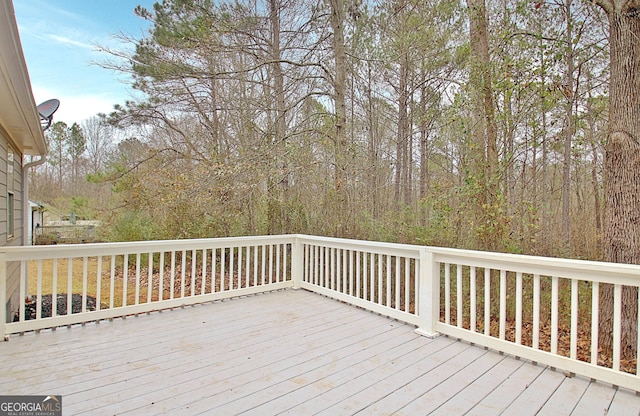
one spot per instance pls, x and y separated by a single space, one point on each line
13 275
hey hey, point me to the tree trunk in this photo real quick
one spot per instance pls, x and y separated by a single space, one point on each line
373 147
509 145
484 130
568 90
596 195
337 19
544 209
401 138
408 160
622 166
280 217
424 137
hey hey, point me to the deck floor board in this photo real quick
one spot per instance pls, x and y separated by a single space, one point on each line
473 393
286 352
565 398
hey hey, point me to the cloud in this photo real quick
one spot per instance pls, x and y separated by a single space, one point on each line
67 41
75 108
45 10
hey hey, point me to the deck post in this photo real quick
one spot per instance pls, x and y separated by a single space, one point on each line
3 296
297 261
428 294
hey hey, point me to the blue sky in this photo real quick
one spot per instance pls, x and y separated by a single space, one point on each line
58 39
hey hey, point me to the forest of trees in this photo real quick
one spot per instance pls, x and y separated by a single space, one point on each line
459 124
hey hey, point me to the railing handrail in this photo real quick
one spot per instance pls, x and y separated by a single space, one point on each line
599 271
16 253
574 268
407 250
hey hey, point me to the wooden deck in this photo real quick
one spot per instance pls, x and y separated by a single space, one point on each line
286 352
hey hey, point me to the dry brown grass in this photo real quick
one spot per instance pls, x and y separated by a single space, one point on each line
48 268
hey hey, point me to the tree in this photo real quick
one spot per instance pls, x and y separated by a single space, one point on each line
622 164
401 12
66 148
339 79
99 136
282 116
76 146
57 138
484 130
570 94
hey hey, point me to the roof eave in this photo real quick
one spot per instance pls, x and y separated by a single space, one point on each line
19 119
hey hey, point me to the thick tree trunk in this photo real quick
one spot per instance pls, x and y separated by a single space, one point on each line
484 129
279 220
622 165
337 19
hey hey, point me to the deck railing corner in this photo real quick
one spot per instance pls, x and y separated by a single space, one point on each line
428 307
297 262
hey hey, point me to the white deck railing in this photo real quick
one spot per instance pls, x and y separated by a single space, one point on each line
159 275
542 309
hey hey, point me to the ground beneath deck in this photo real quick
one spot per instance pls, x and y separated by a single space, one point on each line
286 352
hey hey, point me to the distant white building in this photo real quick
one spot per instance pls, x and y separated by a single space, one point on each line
36 221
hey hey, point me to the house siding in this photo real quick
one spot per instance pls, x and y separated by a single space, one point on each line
13 270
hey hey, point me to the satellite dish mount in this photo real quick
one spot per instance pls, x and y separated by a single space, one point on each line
46 110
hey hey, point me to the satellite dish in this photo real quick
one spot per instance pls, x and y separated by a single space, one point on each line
46 110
